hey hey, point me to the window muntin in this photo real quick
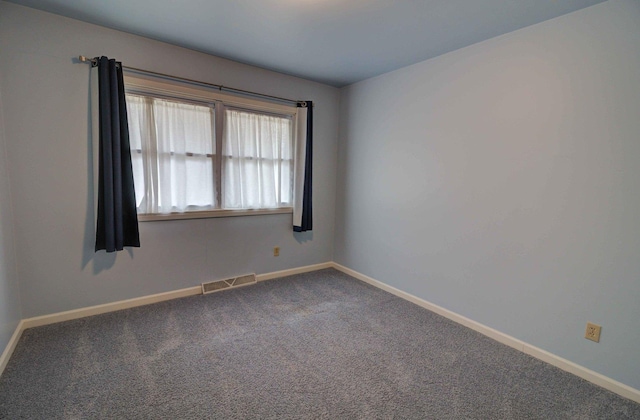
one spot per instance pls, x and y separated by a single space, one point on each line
174 138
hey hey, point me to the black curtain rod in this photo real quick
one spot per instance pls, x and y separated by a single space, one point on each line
94 62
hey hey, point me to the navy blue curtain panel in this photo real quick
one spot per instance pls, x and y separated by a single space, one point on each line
117 224
307 223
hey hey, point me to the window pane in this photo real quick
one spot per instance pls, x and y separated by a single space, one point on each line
257 160
185 149
183 127
195 186
138 113
172 154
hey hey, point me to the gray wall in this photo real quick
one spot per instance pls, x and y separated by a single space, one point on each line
46 123
501 181
9 293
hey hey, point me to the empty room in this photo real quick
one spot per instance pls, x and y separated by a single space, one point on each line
320 209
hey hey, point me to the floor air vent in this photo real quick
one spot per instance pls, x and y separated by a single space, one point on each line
216 286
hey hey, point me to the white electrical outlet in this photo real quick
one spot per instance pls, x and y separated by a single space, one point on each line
593 332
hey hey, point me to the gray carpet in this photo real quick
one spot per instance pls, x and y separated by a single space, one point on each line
316 345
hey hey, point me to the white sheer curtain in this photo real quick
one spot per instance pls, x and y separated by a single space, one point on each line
299 166
257 160
172 154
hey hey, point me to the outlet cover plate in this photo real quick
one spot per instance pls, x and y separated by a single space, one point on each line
592 332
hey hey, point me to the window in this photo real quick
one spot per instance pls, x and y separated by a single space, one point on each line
258 160
196 153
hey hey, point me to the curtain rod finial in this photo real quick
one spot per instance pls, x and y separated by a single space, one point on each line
84 59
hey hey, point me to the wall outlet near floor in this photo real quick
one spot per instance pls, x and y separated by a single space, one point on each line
276 251
593 332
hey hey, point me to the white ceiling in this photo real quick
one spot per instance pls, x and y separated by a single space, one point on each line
337 42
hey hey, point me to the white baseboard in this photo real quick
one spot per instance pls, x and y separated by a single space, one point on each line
586 374
292 271
557 361
39 321
566 365
109 307
11 346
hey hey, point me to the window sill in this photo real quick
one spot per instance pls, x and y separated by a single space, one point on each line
212 214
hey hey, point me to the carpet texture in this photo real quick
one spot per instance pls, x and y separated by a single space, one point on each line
315 345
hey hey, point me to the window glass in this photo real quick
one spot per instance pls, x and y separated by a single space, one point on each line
257 160
185 156
175 165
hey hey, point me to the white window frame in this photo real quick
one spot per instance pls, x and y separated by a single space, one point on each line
179 91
